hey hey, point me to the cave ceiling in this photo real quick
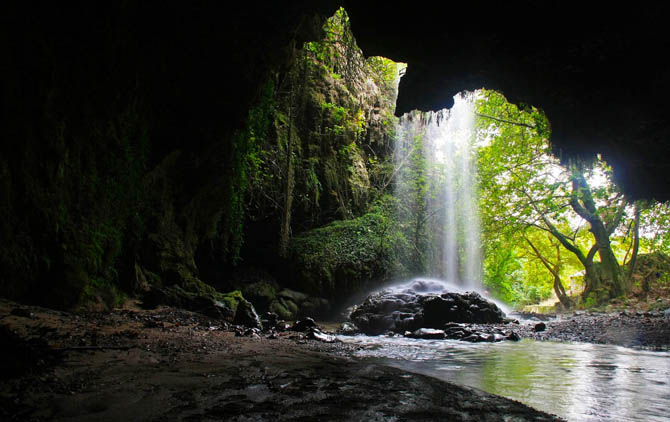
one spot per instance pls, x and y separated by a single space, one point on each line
599 71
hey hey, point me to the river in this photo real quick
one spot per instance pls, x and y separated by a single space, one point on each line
576 381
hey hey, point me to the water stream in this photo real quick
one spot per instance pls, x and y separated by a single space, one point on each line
576 381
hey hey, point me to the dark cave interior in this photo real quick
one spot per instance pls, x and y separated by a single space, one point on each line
189 73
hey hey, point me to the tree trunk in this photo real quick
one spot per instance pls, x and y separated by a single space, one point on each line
610 275
636 248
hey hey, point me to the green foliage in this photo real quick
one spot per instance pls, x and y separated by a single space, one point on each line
343 255
565 211
327 107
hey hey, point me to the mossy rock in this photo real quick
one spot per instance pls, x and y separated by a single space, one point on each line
231 299
261 294
217 305
314 307
292 295
280 309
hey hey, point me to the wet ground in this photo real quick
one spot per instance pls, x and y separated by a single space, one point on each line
173 365
649 330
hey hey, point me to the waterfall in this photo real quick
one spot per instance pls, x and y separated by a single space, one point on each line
436 188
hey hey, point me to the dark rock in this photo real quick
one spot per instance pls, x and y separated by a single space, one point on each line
315 306
540 326
248 332
22 312
292 295
478 338
513 336
428 333
409 311
246 315
260 293
304 324
192 301
271 318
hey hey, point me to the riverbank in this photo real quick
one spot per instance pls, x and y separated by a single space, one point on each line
650 330
173 365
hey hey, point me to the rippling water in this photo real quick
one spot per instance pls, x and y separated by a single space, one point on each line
577 381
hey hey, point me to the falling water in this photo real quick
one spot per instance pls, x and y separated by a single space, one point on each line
445 139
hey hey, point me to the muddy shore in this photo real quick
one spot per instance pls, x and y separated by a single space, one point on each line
173 365
647 330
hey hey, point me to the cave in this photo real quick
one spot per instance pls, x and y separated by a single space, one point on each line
123 177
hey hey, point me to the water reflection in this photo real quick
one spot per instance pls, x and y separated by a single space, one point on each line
580 382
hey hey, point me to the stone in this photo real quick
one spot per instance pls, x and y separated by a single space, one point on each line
295 297
409 311
428 333
513 336
280 309
260 293
540 326
348 329
246 315
270 319
314 306
316 334
666 313
304 324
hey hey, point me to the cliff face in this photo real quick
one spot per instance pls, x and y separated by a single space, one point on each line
147 146
118 157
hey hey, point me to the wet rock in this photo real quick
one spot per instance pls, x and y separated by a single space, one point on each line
348 329
409 311
316 334
498 337
304 324
478 338
513 336
666 313
246 315
270 319
540 326
428 333
248 332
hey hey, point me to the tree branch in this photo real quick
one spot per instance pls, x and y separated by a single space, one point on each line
498 119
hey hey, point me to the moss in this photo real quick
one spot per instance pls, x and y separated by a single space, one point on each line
231 299
261 294
281 310
340 258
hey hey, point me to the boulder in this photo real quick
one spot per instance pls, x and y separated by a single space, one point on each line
304 324
246 315
220 306
261 294
409 311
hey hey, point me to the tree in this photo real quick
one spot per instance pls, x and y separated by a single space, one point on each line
526 188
